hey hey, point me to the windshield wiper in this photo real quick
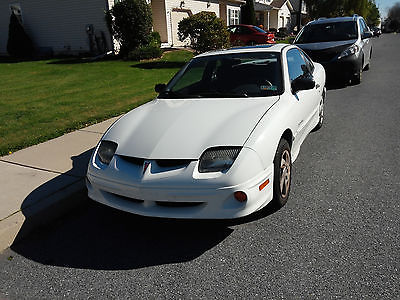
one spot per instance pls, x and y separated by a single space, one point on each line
170 95
222 95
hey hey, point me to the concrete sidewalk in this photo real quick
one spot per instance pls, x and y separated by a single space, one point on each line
39 184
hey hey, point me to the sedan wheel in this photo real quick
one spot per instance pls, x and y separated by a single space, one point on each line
282 173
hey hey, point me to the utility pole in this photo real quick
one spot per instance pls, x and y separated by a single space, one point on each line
299 16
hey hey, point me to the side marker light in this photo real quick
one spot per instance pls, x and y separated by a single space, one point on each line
263 185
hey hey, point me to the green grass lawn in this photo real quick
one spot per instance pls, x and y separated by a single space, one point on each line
40 100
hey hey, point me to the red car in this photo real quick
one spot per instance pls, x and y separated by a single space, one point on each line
250 35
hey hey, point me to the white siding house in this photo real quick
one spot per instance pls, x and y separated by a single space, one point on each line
273 13
168 13
62 26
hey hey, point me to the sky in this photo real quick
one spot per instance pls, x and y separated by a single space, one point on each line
384 6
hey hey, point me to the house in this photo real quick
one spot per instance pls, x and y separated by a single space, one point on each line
273 13
63 26
298 5
75 26
168 13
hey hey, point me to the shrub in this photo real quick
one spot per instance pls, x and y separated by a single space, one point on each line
130 22
19 43
144 52
282 32
155 39
205 30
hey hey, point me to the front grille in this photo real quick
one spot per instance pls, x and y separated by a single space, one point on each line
178 204
322 56
133 160
127 198
171 163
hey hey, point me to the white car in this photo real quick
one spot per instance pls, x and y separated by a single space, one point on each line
219 140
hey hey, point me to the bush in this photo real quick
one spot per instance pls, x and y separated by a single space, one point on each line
282 32
205 30
155 39
273 30
130 22
144 52
19 43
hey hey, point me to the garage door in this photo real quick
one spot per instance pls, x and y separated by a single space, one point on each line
176 17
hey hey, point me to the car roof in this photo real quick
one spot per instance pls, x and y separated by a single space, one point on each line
335 20
256 48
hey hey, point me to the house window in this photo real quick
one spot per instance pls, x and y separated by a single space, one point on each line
233 15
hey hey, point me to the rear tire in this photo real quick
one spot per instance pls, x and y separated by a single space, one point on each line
282 174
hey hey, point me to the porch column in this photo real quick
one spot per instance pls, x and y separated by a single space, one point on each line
268 20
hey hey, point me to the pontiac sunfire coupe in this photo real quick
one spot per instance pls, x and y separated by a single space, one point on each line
219 140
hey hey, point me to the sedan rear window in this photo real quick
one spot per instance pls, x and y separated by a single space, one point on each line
328 32
255 74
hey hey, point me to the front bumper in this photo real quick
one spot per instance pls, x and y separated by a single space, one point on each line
177 193
343 68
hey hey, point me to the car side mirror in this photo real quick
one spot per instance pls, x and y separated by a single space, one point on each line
160 87
302 83
367 35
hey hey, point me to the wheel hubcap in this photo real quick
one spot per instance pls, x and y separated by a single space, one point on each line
321 112
285 174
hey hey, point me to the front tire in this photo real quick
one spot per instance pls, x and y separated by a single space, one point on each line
282 173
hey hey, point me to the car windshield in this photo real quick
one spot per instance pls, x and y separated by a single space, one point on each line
259 29
328 32
255 74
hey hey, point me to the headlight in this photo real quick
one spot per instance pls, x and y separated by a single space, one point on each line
218 159
349 51
106 151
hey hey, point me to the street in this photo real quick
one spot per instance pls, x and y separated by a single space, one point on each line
337 237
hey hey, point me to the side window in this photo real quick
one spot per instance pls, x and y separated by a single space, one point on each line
309 63
363 27
296 65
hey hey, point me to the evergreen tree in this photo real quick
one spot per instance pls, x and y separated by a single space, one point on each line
248 14
19 43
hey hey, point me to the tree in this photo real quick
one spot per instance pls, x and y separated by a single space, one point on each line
393 20
248 14
19 43
205 30
340 8
130 22
373 17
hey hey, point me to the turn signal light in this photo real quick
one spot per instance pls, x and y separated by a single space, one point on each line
240 196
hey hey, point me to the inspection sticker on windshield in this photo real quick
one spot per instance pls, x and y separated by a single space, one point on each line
268 87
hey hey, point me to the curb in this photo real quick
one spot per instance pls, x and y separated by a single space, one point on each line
23 222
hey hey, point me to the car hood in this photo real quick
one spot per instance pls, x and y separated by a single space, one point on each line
327 45
183 129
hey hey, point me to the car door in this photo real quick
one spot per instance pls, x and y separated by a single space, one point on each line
307 101
365 43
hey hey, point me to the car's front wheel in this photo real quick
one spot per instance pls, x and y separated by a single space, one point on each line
282 173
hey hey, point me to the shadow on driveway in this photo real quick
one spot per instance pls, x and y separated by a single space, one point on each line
94 236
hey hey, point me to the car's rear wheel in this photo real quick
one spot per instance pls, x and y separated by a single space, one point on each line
282 173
